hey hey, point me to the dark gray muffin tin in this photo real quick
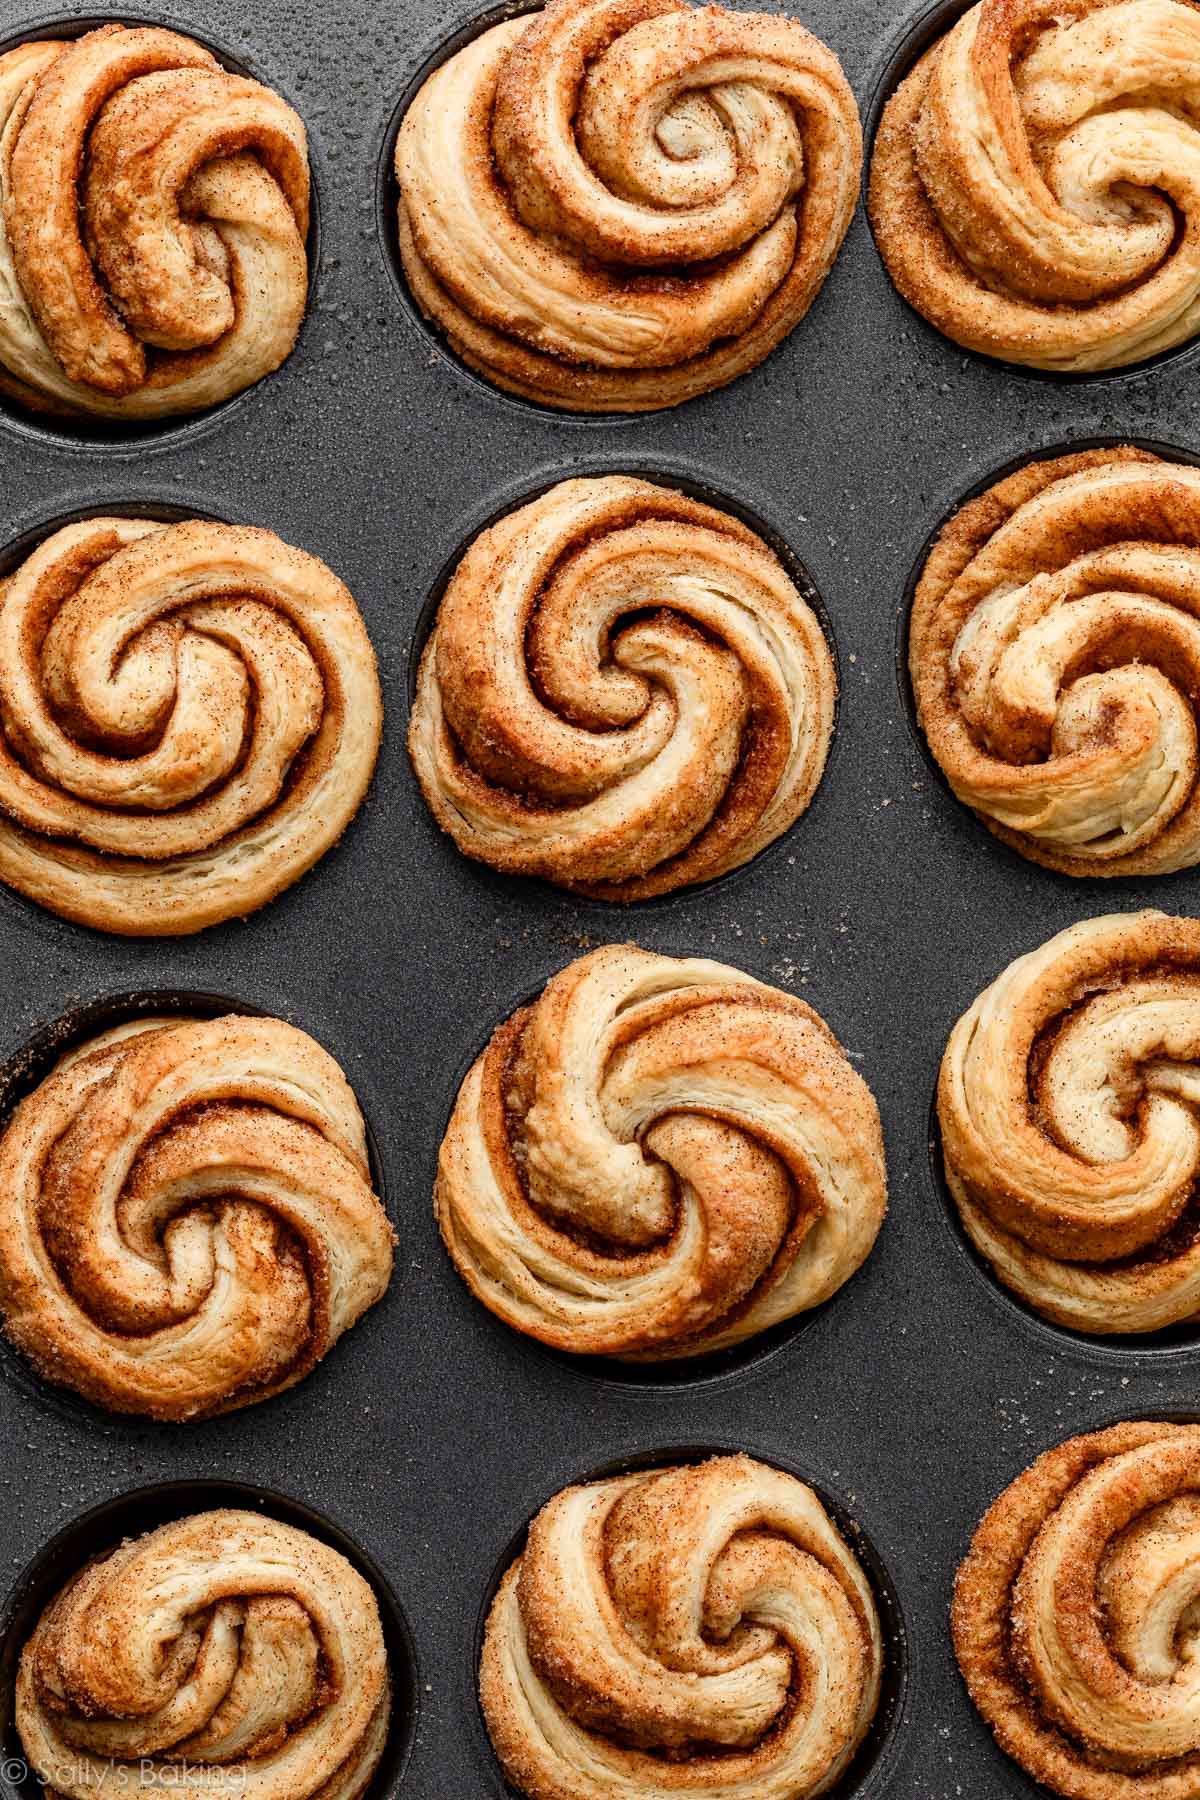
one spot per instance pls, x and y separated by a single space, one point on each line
432 1433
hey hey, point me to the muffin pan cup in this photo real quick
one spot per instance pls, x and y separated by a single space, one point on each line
431 1433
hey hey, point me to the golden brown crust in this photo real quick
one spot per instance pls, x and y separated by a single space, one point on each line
1067 1103
153 213
1074 1615
189 718
223 1654
153 216
1054 651
624 693
187 1223
659 1159
592 231
697 1630
1035 181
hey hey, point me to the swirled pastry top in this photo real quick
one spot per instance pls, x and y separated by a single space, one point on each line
153 216
187 1222
700 1630
659 1159
1035 184
225 1654
624 693
625 203
1075 1615
1055 658
189 719
1070 1110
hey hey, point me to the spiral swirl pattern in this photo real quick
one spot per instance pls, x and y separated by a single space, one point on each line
188 1223
626 203
1055 658
624 693
1075 1615
1035 185
153 216
1069 1101
700 1630
223 1654
189 719
659 1159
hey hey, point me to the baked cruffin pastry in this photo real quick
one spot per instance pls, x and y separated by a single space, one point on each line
1075 1615
659 1159
1054 651
153 216
1035 181
1068 1107
189 719
624 693
700 1630
621 204
187 1222
226 1654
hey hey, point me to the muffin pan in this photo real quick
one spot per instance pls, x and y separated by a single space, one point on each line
431 1433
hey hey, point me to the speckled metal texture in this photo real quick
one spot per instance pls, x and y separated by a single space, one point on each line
432 1433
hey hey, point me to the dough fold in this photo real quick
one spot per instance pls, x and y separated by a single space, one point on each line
1075 1615
621 204
659 1159
624 693
189 719
1068 1103
1035 181
224 1654
684 1631
153 216
1054 650
187 1223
